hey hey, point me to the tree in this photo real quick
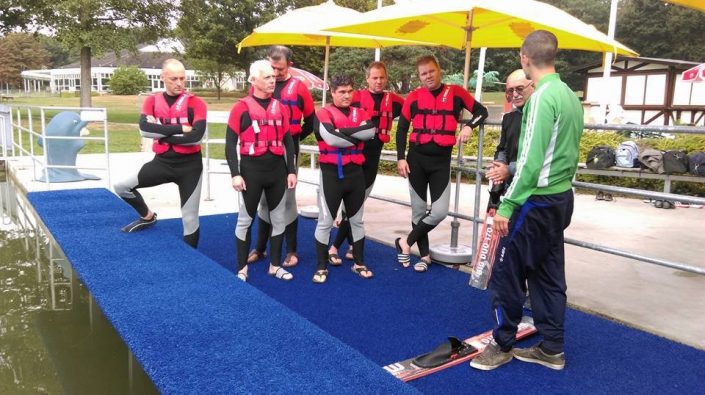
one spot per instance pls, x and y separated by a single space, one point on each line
210 31
128 80
490 80
20 51
58 54
660 30
96 26
14 14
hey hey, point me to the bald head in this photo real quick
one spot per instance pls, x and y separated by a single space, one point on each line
172 63
517 75
174 77
519 88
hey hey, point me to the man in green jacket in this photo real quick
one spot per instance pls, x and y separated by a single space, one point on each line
537 208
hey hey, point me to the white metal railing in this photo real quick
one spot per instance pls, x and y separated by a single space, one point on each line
23 128
469 165
220 118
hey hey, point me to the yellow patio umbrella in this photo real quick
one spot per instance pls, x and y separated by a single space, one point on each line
695 4
480 23
304 26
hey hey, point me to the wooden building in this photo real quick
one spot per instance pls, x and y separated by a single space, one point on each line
645 91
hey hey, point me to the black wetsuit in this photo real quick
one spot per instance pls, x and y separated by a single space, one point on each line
305 104
185 170
372 152
265 177
334 190
429 166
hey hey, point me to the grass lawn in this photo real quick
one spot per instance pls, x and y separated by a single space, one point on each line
123 114
121 109
126 109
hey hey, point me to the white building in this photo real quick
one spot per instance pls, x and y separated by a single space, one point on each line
149 59
647 91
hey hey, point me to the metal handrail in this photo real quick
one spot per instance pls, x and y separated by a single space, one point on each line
461 167
478 171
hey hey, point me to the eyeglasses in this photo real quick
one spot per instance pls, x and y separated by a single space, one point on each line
519 90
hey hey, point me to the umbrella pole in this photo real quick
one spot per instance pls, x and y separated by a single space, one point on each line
607 65
466 68
325 70
480 74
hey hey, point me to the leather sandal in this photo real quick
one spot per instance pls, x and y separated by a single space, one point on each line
334 259
360 269
320 276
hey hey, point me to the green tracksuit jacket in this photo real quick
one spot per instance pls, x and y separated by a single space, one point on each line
548 145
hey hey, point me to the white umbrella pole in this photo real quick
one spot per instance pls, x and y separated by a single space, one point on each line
325 69
607 64
480 74
378 52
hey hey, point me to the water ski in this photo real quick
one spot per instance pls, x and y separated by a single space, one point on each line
451 353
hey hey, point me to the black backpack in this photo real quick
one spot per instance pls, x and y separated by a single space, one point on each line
675 162
696 164
600 157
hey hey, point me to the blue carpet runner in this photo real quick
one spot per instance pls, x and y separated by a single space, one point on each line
400 314
191 324
179 312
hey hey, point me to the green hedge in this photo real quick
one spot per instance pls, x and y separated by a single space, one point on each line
591 138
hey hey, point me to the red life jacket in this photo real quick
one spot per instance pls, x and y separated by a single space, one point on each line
385 113
342 156
289 96
268 134
176 114
434 119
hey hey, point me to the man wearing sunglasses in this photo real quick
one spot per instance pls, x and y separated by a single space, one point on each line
519 88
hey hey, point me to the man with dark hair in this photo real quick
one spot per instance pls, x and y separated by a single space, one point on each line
293 94
535 212
383 107
176 120
341 131
433 112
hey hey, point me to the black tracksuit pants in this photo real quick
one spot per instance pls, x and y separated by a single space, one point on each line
533 253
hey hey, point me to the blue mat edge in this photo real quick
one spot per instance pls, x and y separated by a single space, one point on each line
39 202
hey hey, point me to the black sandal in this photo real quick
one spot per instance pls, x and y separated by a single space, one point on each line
422 266
320 276
361 269
403 259
334 260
